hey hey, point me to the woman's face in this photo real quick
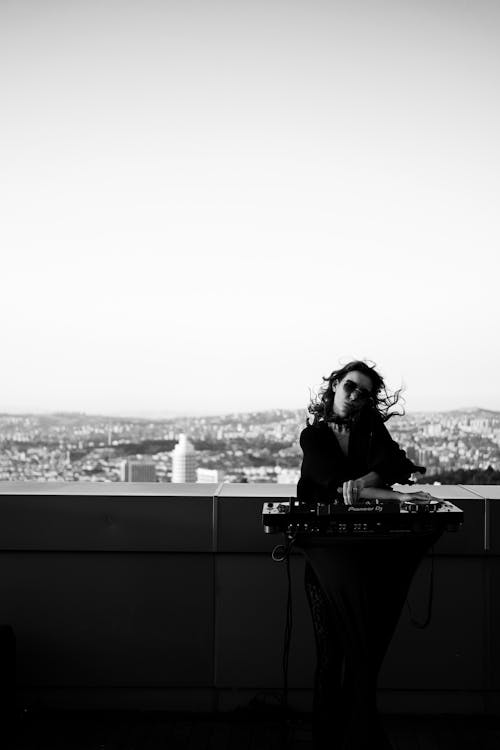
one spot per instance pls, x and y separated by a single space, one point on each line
351 394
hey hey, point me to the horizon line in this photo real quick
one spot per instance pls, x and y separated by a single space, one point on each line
197 415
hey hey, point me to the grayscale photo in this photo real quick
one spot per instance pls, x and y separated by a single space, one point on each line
249 391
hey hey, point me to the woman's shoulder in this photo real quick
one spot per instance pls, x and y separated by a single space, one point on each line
312 433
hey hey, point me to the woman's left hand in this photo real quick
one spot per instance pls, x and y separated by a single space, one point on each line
421 498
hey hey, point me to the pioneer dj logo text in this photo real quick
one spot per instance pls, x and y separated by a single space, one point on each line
364 508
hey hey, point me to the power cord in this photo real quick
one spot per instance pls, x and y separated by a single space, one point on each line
281 553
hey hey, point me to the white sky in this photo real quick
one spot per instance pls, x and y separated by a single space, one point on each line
207 205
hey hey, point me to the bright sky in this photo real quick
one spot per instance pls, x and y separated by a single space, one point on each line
208 205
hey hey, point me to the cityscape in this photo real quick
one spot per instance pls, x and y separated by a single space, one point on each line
460 446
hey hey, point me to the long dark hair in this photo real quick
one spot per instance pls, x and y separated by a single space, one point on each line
321 406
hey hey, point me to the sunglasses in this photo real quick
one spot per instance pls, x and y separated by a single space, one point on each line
350 387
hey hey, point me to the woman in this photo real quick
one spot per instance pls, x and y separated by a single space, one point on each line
356 589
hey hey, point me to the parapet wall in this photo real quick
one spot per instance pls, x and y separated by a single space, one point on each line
160 596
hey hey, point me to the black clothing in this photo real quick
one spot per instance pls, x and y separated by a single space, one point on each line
355 588
371 448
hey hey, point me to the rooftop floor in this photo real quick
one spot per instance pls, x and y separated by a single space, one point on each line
166 731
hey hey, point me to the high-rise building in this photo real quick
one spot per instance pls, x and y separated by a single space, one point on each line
138 470
183 461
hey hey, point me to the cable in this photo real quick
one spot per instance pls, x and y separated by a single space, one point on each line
424 624
281 553
288 632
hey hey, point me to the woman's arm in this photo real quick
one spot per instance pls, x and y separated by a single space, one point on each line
373 493
388 460
372 479
317 478
351 489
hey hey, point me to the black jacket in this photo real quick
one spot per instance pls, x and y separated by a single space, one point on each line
371 448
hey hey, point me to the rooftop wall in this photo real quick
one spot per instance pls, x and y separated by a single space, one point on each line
166 596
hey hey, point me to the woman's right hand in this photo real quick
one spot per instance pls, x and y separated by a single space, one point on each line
351 491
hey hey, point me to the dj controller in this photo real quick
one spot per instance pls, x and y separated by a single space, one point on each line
366 519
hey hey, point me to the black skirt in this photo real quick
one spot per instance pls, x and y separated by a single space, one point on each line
356 590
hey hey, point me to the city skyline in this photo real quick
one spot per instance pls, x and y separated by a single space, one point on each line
209 206
455 447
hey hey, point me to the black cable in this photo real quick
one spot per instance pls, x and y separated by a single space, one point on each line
281 553
288 632
424 624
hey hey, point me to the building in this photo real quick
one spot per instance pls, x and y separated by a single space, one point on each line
411 452
138 470
183 461
209 476
287 476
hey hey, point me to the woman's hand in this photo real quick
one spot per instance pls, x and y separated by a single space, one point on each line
421 498
351 490
355 490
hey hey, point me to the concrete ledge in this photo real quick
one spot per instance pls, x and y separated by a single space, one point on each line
165 597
